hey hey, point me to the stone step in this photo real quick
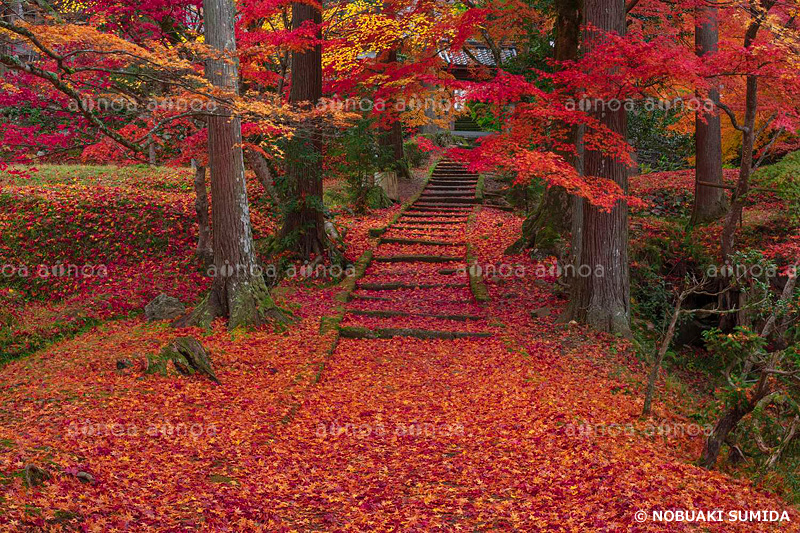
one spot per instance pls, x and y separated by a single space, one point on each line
453 184
391 314
397 240
388 333
414 229
417 259
442 208
445 196
435 215
408 286
451 190
448 191
435 222
451 202
427 209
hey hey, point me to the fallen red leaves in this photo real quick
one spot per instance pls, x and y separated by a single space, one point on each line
507 433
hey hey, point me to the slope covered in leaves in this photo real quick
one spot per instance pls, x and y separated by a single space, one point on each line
536 428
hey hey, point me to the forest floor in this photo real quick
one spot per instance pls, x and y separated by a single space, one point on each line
536 427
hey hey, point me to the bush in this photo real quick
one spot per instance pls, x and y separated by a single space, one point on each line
414 155
359 156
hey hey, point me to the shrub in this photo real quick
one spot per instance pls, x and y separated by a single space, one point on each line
414 155
360 156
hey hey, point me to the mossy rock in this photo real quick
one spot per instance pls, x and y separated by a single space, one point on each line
184 355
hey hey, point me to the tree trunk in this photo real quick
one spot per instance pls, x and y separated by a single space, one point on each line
601 299
204 248
552 220
729 421
662 351
260 167
392 140
722 429
748 139
238 291
745 169
710 203
304 225
734 414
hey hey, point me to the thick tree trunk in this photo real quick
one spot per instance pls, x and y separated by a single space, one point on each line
552 220
393 141
304 225
601 299
710 203
238 291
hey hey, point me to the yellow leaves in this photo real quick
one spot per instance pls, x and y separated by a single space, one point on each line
369 32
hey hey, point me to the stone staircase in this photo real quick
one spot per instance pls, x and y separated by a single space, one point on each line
417 283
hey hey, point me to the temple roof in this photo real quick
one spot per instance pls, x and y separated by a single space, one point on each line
459 58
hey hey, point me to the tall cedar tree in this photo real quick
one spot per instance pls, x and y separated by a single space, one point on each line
710 203
304 226
238 292
602 299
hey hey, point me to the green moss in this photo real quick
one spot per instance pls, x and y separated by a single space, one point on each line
782 176
349 284
476 283
479 188
329 323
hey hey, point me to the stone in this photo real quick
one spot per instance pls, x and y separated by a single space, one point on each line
388 182
163 307
85 477
35 476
